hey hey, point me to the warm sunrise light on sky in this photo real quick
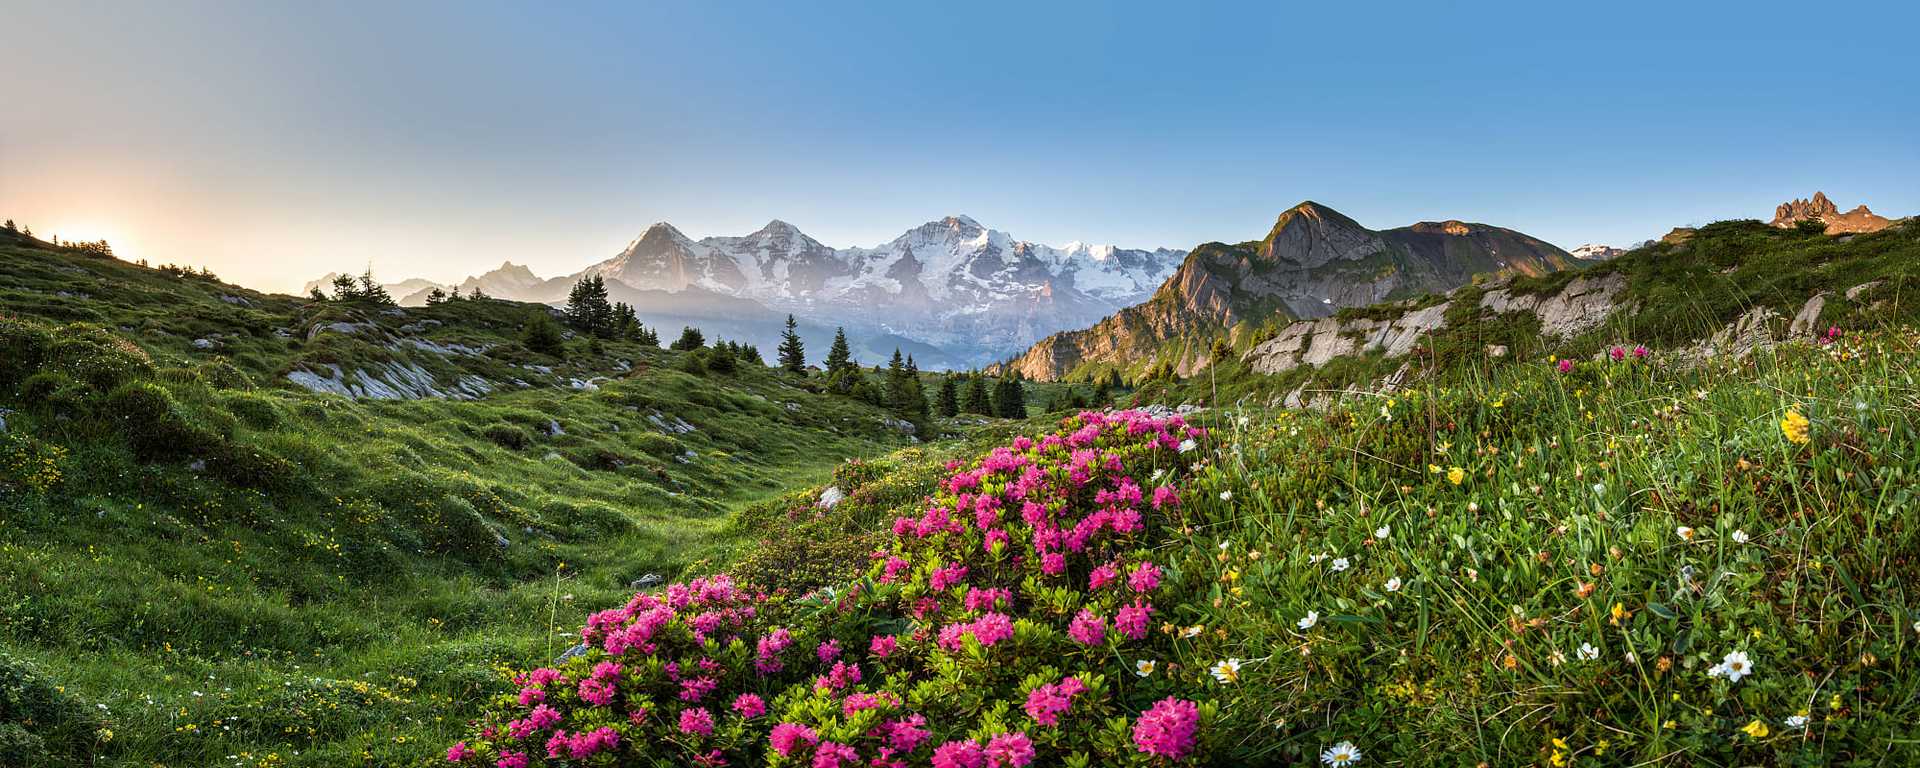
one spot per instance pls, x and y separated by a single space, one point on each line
274 142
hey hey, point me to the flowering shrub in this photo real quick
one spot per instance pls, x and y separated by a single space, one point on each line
999 625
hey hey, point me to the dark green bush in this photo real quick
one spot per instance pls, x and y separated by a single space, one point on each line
40 725
256 411
154 425
220 374
98 358
23 349
508 436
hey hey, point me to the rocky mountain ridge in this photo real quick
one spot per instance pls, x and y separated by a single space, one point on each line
1858 220
1312 263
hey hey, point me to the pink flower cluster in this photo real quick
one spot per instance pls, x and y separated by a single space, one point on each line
1047 703
1168 729
1051 513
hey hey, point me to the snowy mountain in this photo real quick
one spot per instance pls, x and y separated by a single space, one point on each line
1592 252
975 293
952 283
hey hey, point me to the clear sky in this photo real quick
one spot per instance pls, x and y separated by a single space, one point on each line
276 141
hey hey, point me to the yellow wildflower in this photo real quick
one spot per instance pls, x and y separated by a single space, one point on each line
1757 729
1794 426
1456 475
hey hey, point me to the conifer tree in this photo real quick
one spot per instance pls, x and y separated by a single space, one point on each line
436 297
949 398
977 400
1010 398
690 339
587 308
372 292
842 372
793 353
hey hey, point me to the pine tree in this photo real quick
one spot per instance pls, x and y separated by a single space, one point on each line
372 292
626 323
1010 398
345 288
793 353
949 402
10 227
436 297
842 372
647 337
542 335
897 388
977 400
690 339
316 294
587 308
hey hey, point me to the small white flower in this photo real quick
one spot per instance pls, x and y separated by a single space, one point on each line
1226 495
1393 584
1143 667
1313 617
1317 558
1599 488
1685 533
1187 445
1225 545
1740 537
1473 506
1383 531
1158 473
1339 564
1736 665
1587 652
1193 631
1797 721
1227 671
1341 754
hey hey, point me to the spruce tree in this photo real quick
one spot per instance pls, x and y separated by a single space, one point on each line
793 353
372 292
436 297
690 339
587 308
542 335
345 288
977 400
949 403
1010 398
842 372
898 390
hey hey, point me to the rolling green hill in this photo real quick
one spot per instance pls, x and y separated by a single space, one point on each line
199 559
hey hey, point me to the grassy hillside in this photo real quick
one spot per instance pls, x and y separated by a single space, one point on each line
1631 562
202 564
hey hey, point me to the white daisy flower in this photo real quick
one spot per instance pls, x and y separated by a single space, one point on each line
1313 617
1797 721
1187 445
1393 584
1226 495
1226 671
1340 564
1587 652
1685 533
1341 754
1383 531
1736 665
1143 667
1740 537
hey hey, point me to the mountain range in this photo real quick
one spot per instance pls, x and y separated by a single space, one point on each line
967 295
1314 262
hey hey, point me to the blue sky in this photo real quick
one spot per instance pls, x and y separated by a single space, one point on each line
276 141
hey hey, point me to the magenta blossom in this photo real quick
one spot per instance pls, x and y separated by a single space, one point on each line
1167 729
749 705
696 721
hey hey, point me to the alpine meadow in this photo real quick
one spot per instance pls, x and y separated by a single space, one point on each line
1569 439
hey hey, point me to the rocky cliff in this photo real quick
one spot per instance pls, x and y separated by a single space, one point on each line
1792 212
1314 262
